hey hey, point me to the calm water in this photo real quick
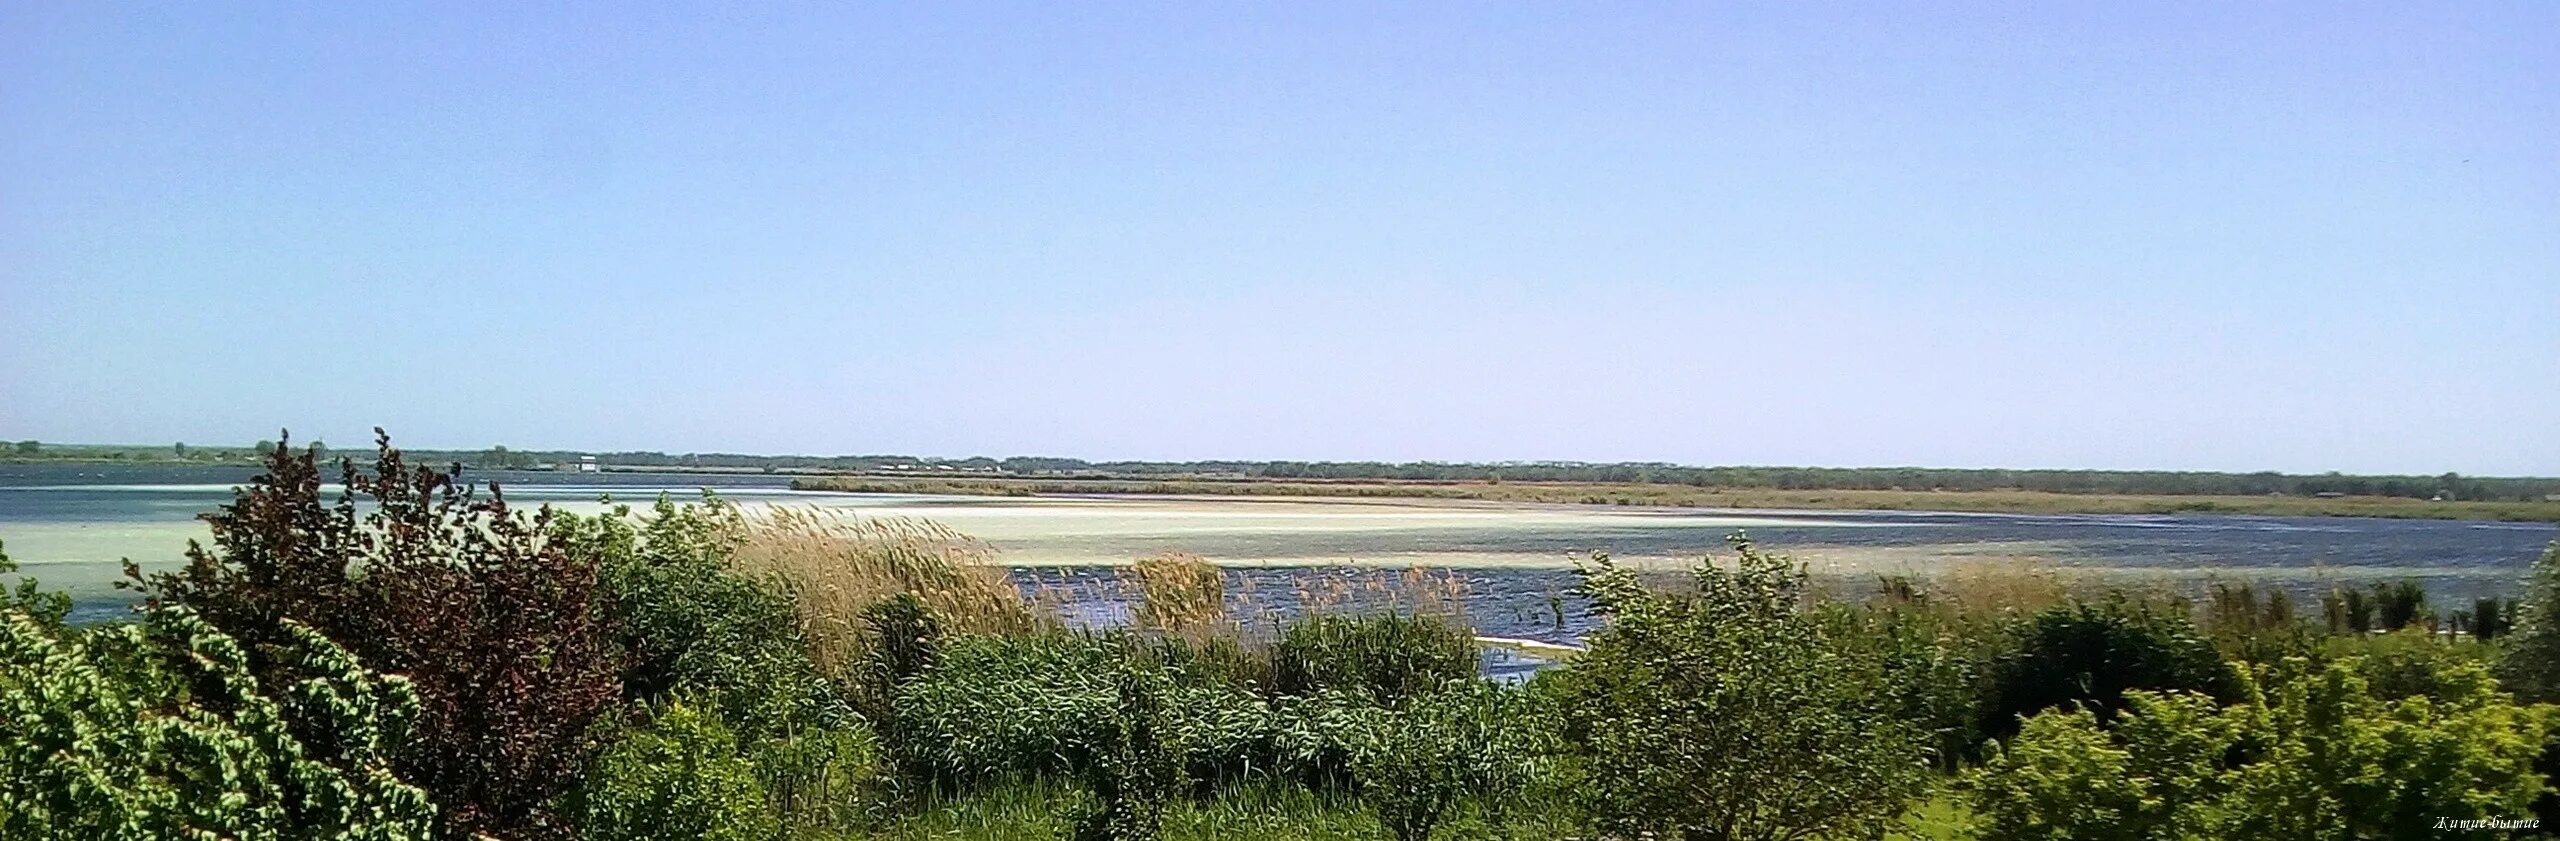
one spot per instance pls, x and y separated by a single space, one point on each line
69 525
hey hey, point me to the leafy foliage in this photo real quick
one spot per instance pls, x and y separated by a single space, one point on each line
2316 756
2399 604
1933 656
2532 664
1725 713
2089 654
905 639
46 607
496 625
687 624
1470 740
690 626
1385 657
160 729
681 776
1135 765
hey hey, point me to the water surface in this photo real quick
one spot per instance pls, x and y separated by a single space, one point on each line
71 524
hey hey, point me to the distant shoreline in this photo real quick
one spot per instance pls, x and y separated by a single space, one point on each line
1681 496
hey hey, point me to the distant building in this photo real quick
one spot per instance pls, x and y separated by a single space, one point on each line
584 464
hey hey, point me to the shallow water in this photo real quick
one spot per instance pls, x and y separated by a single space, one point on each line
70 525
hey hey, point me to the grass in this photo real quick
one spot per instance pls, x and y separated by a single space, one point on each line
833 566
1685 496
1940 818
1256 812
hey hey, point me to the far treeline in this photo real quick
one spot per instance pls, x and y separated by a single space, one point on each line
2450 486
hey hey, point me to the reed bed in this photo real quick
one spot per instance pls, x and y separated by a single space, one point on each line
1179 593
835 565
2016 586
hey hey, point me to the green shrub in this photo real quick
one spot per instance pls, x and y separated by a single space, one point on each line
2531 667
2412 663
2398 604
2251 629
1727 713
1415 764
2318 755
679 776
1386 657
2090 654
998 708
46 607
901 640
1933 659
991 709
689 625
1134 766
2348 610
2491 617
2156 776
160 729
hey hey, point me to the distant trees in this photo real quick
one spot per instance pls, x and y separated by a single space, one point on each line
500 458
26 448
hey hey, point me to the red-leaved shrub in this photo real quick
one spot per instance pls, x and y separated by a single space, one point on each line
476 603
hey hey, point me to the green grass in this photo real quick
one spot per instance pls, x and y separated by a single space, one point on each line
1253 813
1940 818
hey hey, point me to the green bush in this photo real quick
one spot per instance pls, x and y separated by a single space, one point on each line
159 729
2317 756
2532 664
2490 617
679 776
991 709
687 624
1134 766
1470 740
2090 654
1933 658
903 641
2412 663
1386 657
998 708
2398 604
1726 712
2251 629
46 607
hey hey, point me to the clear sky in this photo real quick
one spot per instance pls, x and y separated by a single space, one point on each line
2216 236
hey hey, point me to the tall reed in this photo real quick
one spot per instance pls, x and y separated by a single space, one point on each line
1179 593
835 565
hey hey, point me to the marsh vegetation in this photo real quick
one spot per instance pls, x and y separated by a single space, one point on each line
422 660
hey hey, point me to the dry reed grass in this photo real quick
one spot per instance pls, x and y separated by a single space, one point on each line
1178 593
835 565
1418 591
2006 585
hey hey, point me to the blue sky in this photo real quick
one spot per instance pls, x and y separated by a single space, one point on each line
2217 236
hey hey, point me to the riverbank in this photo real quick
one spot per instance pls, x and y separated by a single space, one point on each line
1682 496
